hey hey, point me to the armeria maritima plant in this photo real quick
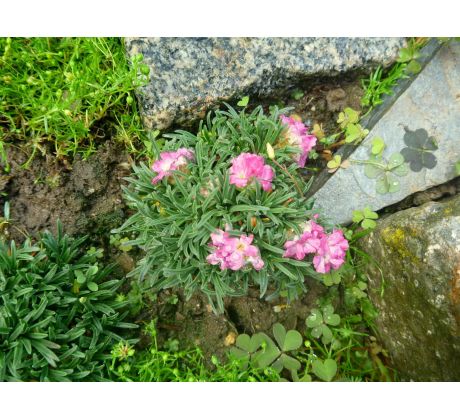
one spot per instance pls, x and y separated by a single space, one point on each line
226 208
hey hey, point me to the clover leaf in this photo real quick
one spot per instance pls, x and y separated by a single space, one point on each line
365 217
325 370
354 133
377 146
384 171
348 116
419 149
331 278
336 163
263 351
243 101
319 322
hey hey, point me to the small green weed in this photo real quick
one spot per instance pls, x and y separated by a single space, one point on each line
171 365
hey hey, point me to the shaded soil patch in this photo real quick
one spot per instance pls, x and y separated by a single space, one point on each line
85 197
193 323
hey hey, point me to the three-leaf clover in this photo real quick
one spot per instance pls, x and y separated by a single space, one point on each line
85 278
319 322
384 171
348 116
410 55
419 149
336 163
331 278
354 133
365 217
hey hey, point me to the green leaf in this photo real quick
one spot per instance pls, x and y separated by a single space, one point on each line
369 214
387 184
80 277
93 286
297 94
332 319
92 270
317 331
331 278
325 370
289 362
414 67
378 145
357 216
334 162
326 334
373 171
457 168
315 319
395 160
243 101
405 55
292 341
368 224
279 332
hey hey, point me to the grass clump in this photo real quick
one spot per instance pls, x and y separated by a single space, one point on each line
67 94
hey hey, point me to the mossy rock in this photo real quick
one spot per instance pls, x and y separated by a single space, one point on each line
415 285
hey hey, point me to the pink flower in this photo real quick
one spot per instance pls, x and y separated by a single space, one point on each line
331 252
248 167
297 136
307 243
234 253
171 161
329 249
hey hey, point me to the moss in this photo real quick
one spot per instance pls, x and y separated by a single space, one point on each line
395 239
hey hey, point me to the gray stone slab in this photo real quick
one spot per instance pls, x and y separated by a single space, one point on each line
431 103
191 75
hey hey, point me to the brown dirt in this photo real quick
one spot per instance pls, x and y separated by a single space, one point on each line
322 103
193 322
86 197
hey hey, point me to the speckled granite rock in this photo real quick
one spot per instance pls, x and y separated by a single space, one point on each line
190 75
418 250
423 124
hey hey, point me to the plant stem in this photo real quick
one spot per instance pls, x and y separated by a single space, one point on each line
289 175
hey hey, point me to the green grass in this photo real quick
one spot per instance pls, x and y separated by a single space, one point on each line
382 81
66 95
156 364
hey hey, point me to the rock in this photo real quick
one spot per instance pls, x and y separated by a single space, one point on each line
417 289
190 75
425 116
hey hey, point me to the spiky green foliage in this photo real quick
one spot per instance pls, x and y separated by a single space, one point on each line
173 220
58 313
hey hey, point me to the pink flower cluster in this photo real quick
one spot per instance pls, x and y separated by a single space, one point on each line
329 249
248 167
234 253
297 136
171 161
